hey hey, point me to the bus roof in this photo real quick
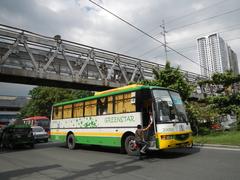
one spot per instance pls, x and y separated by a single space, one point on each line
115 91
36 118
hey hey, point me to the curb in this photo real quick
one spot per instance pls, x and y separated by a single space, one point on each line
216 145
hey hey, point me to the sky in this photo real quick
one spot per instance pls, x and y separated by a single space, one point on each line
83 22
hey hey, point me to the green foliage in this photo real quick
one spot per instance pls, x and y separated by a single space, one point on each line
42 99
228 138
171 78
193 113
204 131
203 82
226 103
200 115
226 79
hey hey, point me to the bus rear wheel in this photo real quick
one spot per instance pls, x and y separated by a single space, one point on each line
71 144
130 146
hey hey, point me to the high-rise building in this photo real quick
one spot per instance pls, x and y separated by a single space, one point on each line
233 61
215 55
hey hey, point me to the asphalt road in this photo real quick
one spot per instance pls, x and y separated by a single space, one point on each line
53 161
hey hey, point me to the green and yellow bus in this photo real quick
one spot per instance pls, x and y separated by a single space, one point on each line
110 118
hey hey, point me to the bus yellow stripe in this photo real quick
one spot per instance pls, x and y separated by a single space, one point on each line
106 134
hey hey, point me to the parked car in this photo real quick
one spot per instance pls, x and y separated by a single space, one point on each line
39 134
216 127
15 135
228 122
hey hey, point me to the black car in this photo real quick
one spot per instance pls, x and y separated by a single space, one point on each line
16 135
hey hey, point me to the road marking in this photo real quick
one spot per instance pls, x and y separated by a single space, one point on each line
218 148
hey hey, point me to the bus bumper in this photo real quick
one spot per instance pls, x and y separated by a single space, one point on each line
175 141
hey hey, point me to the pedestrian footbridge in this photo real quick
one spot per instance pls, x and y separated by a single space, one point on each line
30 58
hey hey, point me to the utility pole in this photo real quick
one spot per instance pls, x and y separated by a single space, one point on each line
164 37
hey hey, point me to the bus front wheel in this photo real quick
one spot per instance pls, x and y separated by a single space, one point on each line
130 145
71 142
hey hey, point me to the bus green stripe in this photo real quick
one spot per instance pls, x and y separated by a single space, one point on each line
94 140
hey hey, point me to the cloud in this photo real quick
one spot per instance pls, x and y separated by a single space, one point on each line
83 22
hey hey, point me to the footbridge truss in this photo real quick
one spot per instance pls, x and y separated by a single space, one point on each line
30 58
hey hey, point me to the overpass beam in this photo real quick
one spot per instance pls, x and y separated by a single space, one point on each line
10 51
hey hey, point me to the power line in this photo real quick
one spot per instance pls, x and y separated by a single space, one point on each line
150 50
205 19
186 15
143 32
169 22
209 32
173 42
136 40
190 48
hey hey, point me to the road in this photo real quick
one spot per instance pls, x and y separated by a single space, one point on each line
54 161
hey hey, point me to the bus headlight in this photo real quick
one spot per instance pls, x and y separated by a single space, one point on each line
166 137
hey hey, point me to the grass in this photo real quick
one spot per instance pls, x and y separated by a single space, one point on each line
225 138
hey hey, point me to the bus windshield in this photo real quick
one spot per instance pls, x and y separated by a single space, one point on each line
169 107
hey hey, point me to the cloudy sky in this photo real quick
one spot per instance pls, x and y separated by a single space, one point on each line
83 22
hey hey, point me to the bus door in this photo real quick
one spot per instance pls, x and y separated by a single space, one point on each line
147 106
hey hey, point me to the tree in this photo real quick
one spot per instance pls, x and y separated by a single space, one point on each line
226 79
228 102
171 78
42 99
200 114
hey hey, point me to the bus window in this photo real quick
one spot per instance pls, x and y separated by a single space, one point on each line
57 112
105 105
110 105
91 108
78 110
118 103
102 106
67 111
129 102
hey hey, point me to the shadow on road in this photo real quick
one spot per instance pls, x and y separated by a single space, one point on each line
26 171
98 169
160 154
171 153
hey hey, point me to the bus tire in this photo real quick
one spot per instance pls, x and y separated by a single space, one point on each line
129 145
71 143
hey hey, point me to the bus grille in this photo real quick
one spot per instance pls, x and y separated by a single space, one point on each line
181 137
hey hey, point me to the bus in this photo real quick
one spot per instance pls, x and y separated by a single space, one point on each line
110 118
42 121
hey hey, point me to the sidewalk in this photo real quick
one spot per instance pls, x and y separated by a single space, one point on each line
216 145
